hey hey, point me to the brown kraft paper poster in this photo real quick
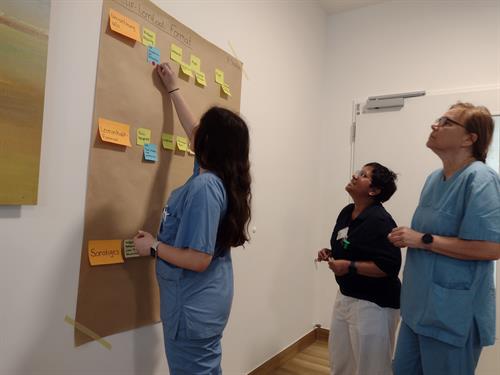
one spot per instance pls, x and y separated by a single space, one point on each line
124 192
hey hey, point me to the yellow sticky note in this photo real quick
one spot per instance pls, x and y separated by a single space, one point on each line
200 78
114 132
105 252
225 88
124 25
195 63
176 53
182 143
186 69
219 76
143 136
148 37
167 140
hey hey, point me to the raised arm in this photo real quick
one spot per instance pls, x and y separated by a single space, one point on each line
169 80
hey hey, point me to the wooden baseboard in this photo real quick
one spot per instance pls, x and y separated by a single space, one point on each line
279 359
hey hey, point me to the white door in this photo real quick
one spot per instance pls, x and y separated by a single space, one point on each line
397 140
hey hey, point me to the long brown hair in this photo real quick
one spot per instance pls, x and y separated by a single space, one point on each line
477 120
222 145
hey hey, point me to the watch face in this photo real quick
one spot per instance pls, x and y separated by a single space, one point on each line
427 238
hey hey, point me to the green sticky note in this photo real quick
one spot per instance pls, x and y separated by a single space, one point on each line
167 140
143 136
129 249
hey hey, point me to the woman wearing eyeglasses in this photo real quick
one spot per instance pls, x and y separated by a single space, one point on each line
366 267
448 295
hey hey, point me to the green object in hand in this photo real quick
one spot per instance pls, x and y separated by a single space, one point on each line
345 244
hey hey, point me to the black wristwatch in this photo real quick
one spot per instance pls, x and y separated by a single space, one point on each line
352 268
427 238
154 248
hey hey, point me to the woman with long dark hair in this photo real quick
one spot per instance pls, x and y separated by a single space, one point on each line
202 220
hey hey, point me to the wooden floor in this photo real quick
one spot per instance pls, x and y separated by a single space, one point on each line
313 360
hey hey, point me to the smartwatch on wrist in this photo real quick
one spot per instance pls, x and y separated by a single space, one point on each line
427 238
154 248
352 268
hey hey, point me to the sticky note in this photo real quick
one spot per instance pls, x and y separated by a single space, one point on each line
102 252
153 55
176 53
143 136
200 78
195 63
219 76
150 153
124 25
225 88
148 37
182 143
167 141
129 249
186 69
114 132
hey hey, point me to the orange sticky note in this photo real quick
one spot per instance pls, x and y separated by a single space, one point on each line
103 252
114 132
124 25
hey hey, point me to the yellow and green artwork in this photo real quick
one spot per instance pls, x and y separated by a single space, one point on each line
24 27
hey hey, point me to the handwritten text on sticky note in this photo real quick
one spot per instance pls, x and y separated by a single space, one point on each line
103 252
114 132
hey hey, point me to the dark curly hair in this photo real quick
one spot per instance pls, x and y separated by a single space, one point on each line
222 145
384 179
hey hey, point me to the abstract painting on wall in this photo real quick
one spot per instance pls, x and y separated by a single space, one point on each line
24 27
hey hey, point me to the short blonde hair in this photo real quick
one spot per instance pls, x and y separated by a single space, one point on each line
477 120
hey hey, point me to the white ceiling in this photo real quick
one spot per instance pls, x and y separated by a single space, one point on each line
337 6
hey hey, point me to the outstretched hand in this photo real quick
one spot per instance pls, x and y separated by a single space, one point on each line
167 76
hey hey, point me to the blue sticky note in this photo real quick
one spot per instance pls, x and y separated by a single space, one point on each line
153 55
150 152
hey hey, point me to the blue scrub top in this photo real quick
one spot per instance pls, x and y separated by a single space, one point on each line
202 300
441 296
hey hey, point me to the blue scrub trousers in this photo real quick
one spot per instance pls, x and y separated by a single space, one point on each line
422 355
187 356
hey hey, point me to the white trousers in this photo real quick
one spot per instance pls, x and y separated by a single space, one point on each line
362 337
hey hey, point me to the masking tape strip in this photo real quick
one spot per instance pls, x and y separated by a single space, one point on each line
235 55
88 332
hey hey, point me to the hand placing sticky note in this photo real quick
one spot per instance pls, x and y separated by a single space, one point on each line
186 69
219 76
225 89
124 25
200 78
129 249
167 141
143 136
182 143
148 37
195 63
176 53
114 132
153 55
101 252
150 153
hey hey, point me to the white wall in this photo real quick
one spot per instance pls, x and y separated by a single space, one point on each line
389 48
283 48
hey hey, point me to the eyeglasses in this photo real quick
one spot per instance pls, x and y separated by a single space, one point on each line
361 173
447 122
